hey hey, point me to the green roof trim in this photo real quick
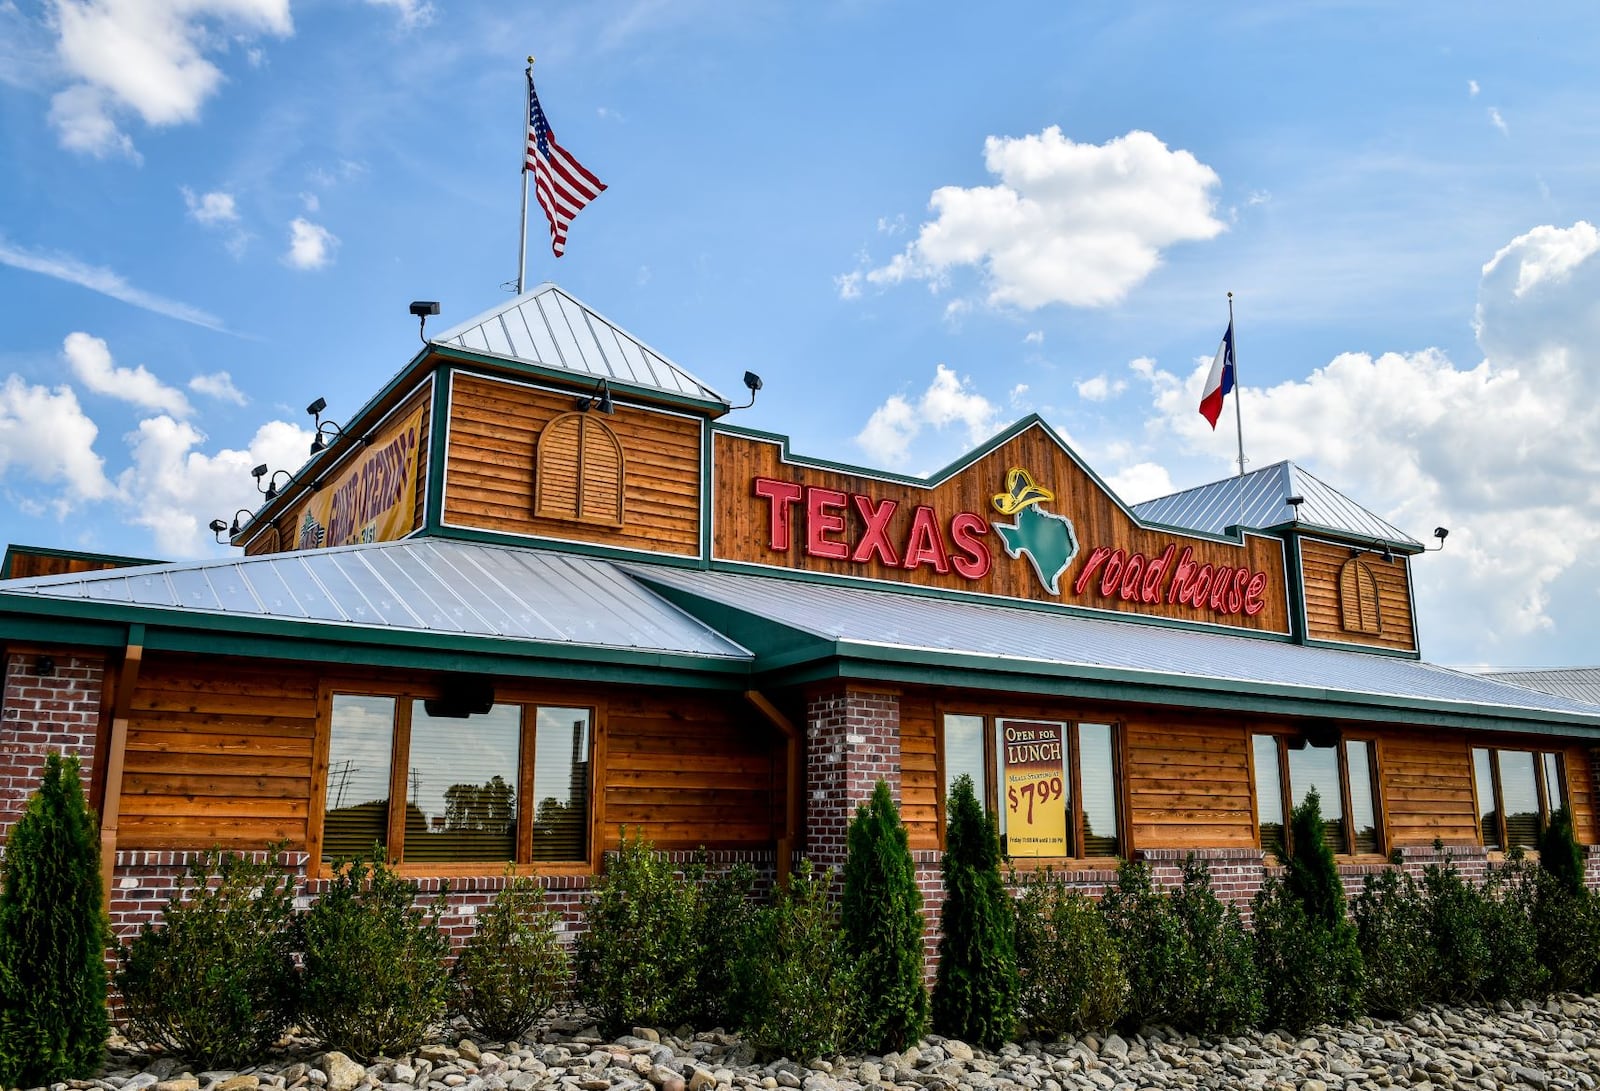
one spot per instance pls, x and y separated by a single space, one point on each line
570 380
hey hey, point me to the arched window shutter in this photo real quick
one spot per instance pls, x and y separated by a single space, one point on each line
1358 598
580 471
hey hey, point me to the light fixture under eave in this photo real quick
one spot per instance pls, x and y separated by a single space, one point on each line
423 309
752 383
600 399
1294 503
325 428
1440 533
272 482
236 528
217 526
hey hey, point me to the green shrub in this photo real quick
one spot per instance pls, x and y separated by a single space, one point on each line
637 959
1567 930
216 982
795 983
1456 916
1188 957
1310 971
1397 956
1312 877
723 908
53 937
1509 896
975 992
375 977
1070 973
1560 854
882 912
513 969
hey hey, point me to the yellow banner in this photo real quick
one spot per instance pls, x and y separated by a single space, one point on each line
1036 787
373 499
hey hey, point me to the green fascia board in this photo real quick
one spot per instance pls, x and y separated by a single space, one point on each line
438 448
772 642
1344 537
71 555
1362 649
947 669
977 454
490 362
224 634
46 630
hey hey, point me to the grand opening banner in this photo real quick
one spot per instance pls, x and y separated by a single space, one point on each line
374 498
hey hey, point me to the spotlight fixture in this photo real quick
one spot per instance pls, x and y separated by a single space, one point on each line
217 526
326 429
1440 533
600 399
752 383
423 308
1294 503
272 482
233 531
258 473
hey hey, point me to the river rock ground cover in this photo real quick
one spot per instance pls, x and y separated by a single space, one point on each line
1543 1046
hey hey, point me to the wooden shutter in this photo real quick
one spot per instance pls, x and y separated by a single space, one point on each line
1358 598
580 471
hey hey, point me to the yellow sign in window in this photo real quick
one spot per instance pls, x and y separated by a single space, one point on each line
1034 763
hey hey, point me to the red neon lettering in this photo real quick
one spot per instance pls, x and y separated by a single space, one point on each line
1112 573
1181 577
1097 557
1201 584
875 536
925 545
1219 589
1236 590
1253 602
781 496
825 515
1130 578
1154 574
973 559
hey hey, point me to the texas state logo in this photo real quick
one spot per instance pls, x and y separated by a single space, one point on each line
1045 538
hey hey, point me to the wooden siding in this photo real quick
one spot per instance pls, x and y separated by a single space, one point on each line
490 477
25 564
285 536
741 522
1189 782
1426 782
1321 563
921 793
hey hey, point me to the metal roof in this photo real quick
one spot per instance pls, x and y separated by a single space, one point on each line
1257 500
883 619
415 585
548 327
1576 683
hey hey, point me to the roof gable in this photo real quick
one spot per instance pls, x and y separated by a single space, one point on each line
548 328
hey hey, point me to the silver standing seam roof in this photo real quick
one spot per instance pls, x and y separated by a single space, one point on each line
885 619
1575 683
1257 500
548 327
413 585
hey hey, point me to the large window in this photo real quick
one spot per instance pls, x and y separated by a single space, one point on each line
436 789
1054 784
1517 792
1289 767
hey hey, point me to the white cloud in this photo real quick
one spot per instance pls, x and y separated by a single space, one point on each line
848 285
90 360
1100 388
310 201
46 436
1034 337
174 490
413 13
1078 224
949 399
1472 88
1504 453
1498 122
211 209
311 245
1019 397
1140 482
219 386
147 57
97 278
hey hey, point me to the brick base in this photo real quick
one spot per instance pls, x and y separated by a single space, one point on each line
59 711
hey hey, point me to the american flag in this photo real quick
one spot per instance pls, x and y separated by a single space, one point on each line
562 184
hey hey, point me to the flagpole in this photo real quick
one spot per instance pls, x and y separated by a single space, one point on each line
1238 416
522 236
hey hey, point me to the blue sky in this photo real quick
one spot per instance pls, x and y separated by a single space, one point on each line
916 221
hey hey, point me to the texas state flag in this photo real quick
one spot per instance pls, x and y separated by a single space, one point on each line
1220 382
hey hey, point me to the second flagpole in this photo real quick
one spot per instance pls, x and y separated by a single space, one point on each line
522 237
1238 414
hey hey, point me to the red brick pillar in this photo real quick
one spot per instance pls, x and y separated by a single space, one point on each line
852 742
44 712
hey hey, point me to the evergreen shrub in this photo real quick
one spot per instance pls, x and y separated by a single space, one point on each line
374 978
1312 877
975 992
1070 973
723 909
216 982
1397 954
53 937
1560 855
1509 897
794 983
1456 919
513 968
882 912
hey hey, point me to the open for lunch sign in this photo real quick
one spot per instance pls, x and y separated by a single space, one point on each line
1036 787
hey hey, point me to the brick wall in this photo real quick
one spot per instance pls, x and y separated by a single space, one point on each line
40 713
852 742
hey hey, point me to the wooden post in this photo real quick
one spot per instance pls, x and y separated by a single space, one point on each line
795 780
111 804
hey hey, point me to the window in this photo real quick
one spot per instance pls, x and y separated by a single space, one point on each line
1517 791
1288 767
436 789
1055 784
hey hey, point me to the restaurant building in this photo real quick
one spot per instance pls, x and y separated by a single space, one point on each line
538 590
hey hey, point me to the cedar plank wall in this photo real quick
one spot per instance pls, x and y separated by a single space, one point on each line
220 753
741 525
289 520
1188 782
1321 561
24 565
494 430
